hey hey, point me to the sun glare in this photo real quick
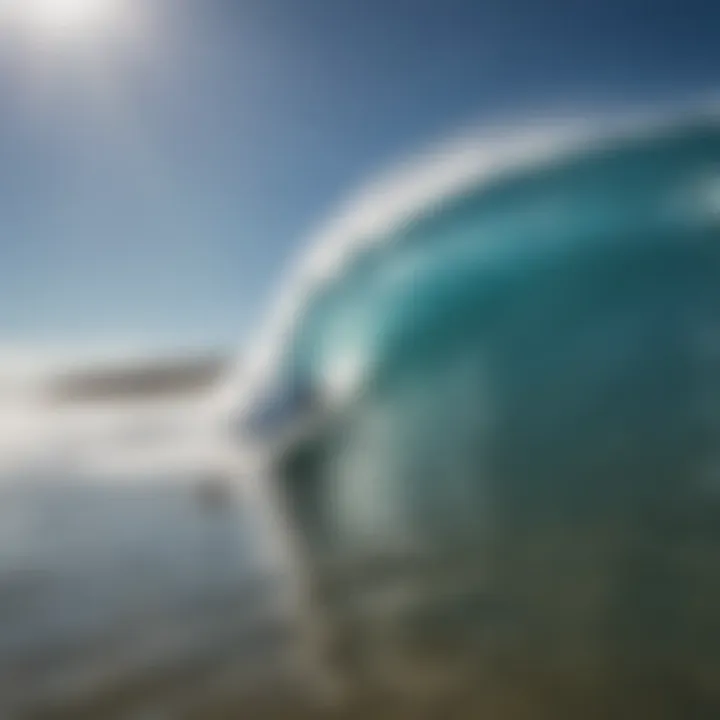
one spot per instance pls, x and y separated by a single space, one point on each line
66 20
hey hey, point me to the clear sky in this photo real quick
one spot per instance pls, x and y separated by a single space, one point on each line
155 183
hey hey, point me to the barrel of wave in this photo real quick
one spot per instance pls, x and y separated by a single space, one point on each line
508 462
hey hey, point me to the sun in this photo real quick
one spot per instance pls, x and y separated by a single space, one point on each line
70 16
66 20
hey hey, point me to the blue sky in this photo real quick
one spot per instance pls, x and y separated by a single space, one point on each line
157 191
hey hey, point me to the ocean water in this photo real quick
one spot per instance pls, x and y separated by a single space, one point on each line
101 584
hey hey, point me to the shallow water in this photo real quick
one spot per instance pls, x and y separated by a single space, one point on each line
102 585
